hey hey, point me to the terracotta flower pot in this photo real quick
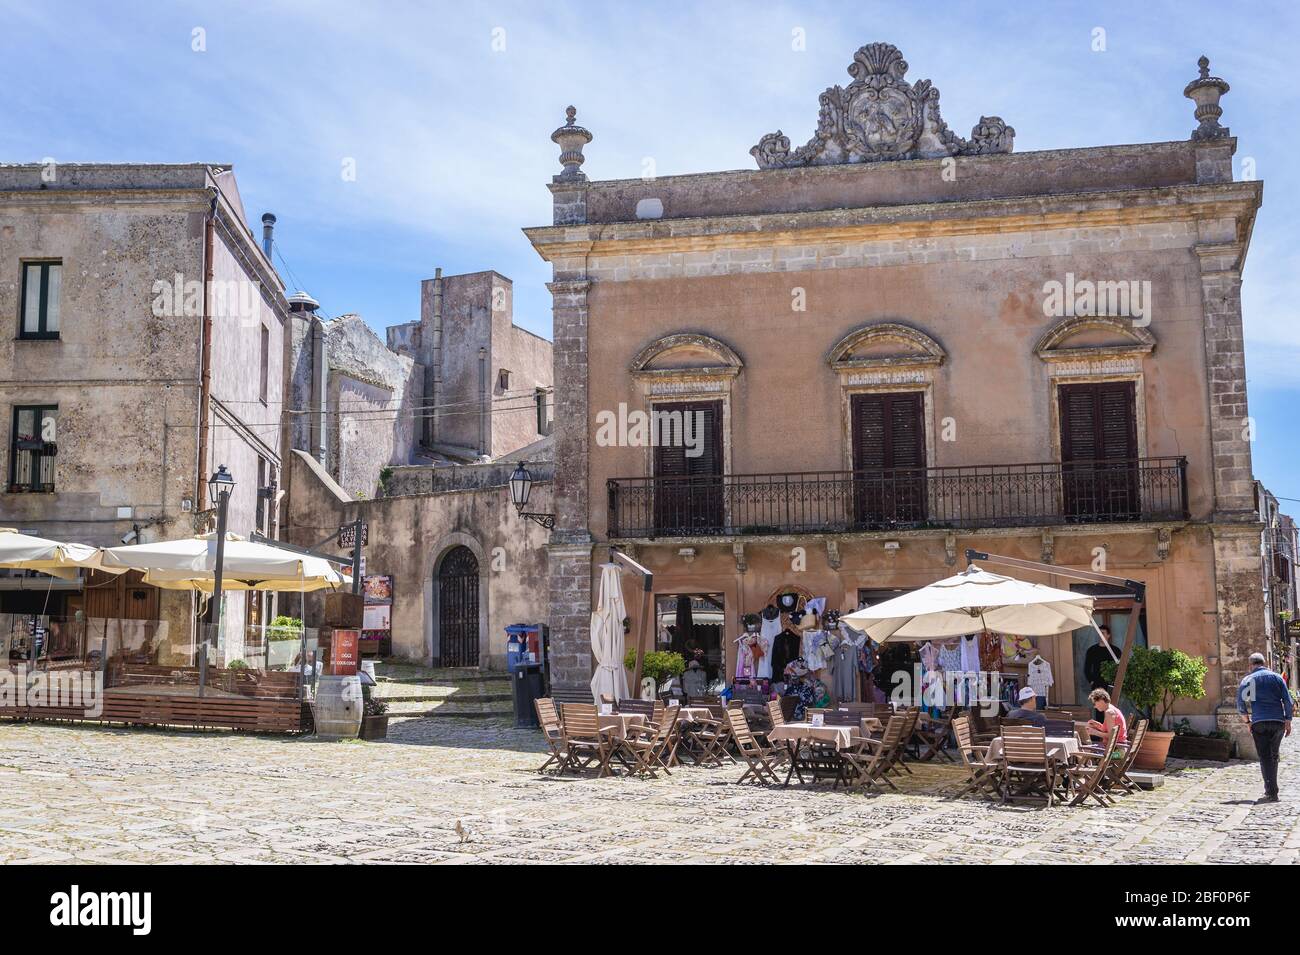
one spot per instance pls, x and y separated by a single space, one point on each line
1155 750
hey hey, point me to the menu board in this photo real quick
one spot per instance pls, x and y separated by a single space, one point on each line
345 651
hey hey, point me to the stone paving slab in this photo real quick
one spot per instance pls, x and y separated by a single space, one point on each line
83 794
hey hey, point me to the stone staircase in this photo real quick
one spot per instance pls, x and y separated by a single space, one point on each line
414 692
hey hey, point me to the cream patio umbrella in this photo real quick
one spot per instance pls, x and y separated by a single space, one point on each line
971 601
607 637
190 564
23 552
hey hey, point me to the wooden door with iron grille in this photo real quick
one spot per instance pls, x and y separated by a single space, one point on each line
458 616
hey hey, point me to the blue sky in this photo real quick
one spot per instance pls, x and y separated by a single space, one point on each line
446 111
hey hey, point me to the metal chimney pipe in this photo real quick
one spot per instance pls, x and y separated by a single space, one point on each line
268 228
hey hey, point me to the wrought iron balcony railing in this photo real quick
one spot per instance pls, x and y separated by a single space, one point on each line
980 496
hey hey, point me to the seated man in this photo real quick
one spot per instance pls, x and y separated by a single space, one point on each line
1028 708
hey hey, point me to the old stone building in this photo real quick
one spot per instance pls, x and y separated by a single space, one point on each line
898 343
418 437
487 381
147 350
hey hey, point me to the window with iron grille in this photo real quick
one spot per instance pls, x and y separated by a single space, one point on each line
42 288
32 449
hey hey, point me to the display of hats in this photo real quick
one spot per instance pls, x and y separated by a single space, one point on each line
750 620
809 622
770 612
831 618
795 617
788 602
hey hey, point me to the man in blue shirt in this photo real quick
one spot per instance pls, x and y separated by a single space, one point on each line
1268 698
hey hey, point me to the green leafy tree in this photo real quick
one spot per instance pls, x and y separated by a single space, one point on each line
1156 679
659 665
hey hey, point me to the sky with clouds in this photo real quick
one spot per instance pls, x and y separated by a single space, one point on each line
445 111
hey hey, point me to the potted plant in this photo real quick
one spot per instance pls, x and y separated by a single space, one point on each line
1190 744
283 638
1155 680
658 665
374 719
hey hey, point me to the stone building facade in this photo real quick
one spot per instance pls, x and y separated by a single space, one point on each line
487 381
464 564
893 270
148 340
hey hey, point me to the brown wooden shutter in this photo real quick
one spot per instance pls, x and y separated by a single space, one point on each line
671 459
1098 421
888 431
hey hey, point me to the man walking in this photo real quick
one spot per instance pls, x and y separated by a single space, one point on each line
1268 698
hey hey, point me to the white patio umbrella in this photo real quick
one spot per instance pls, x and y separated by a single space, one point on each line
972 601
190 564
24 552
607 637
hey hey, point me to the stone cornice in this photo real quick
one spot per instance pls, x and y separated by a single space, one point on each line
926 220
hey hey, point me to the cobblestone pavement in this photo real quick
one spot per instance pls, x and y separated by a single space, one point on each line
86 794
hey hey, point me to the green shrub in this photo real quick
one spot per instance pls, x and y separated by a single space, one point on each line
284 628
1156 679
659 665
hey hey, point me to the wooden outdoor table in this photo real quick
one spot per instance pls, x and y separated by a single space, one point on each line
616 725
820 761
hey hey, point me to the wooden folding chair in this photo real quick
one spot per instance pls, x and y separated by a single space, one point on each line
714 734
1117 778
760 766
553 733
1024 753
1085 778
867 762
1059 727
644 708
583 737
651 746
932 738
912 715
981 774
836 717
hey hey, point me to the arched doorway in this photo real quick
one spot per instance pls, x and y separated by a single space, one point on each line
458 619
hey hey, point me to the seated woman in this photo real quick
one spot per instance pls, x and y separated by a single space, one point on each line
1112 718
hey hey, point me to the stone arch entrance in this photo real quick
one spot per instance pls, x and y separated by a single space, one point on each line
458 608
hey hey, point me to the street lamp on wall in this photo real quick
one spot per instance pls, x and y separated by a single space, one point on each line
220 486
521 486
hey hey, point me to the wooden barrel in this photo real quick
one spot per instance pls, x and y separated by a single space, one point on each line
338 706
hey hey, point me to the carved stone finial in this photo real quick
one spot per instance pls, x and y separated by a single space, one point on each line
1205 91
880 117
571 138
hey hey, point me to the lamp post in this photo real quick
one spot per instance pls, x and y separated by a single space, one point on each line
219 487
521 486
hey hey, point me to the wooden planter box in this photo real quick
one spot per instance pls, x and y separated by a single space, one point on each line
374 727
1201 747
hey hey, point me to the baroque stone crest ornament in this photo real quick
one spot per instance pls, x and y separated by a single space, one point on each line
881 117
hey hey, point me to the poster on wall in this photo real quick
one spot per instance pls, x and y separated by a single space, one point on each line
377 589
377 615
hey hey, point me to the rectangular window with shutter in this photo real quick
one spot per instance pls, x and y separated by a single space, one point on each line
688 473
888 432
1099 450
42 288
32 448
